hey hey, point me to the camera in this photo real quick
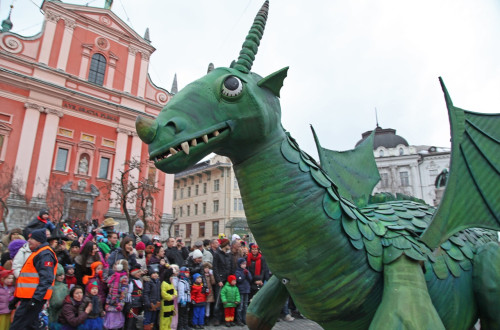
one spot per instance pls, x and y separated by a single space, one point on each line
179 241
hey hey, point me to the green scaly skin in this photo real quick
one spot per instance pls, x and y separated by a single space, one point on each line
323 251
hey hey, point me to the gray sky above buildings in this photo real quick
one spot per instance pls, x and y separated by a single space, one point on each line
346 58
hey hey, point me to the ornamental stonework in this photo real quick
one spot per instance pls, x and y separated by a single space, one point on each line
12 44
102 43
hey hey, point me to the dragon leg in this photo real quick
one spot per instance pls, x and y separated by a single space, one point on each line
486 280
406 303
266 305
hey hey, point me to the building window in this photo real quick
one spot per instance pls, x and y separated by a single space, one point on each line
401 151
173 212
201 232
104 168
222 172
97 69
175 194
192 180
205 188
215 228
176 231
185 182
405 180
182 193
384 180
196 190
204 208
188 230
180 212
177 184
238 204
216 185
62 159
189 191
235 185
188 210
381 153
216 206
195 209
200 178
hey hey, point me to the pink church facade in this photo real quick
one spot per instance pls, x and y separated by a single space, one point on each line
69 97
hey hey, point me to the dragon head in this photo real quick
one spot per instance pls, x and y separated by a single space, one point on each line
230 111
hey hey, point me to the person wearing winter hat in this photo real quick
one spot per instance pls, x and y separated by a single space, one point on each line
138 234
97 276
39 222
184 294
13 248
43 262
230 296
222 269
168 294
6 293
243 282
74 250
59 292
198 299
140 248
134 298
152 297
92 297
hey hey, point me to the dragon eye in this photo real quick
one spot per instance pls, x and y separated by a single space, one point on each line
232 87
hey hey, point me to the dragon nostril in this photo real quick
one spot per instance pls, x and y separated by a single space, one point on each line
176 124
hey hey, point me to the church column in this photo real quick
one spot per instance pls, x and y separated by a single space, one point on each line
135 154
143 74
168 193
121 150
26 145
62 60
129 72
84 65
47 152
48 36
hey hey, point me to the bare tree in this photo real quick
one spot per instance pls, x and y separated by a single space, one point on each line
9 185
129 190
55 200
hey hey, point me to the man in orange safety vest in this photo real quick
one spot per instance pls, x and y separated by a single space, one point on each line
35 282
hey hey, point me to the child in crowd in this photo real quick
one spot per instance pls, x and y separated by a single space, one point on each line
97 276
94 319
6 295
184 292
243 282
175 283
115 300
59 292
140 248
230 297
152 297
168 294
134 299
210 281
70 275
198 299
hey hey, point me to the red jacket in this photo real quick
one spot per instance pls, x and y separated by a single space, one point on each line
197 294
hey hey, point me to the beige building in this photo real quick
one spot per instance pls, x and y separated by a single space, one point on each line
207 201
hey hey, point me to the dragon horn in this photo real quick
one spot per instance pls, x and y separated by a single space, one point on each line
252 41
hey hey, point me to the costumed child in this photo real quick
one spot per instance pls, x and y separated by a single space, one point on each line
94 319
152 297
135 300
210 281
6 295
59 292
70 275
243 282
198 299
184 294
97 275
115 300
168 294
230 296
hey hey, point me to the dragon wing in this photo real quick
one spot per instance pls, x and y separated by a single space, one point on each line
355 171
472 195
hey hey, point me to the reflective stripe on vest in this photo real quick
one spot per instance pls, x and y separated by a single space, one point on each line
28 279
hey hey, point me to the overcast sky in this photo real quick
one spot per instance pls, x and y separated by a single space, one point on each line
346 58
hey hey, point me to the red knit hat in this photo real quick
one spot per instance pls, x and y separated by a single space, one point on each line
224 242
231 278
140 246
91 285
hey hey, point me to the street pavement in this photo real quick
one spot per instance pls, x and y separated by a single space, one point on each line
297 324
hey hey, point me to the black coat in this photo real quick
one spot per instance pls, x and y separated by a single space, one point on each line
118 255
152 292
44 263
222 266
174 256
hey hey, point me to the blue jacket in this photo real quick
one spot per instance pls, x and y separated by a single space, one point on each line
243 282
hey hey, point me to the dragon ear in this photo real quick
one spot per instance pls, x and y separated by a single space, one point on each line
274 81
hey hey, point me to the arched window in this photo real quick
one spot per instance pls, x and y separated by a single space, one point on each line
401 152
97 69
381 153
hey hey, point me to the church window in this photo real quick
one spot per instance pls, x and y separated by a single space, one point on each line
97 69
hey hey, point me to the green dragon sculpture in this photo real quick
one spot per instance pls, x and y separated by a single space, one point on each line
392 265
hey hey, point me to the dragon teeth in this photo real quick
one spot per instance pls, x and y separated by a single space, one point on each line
205 138
193 143
216 133
185 147
173 151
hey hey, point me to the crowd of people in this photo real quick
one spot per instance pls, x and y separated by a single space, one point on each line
58 278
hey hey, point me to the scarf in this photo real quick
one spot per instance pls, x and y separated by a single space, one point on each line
258 264
95 305
42 219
